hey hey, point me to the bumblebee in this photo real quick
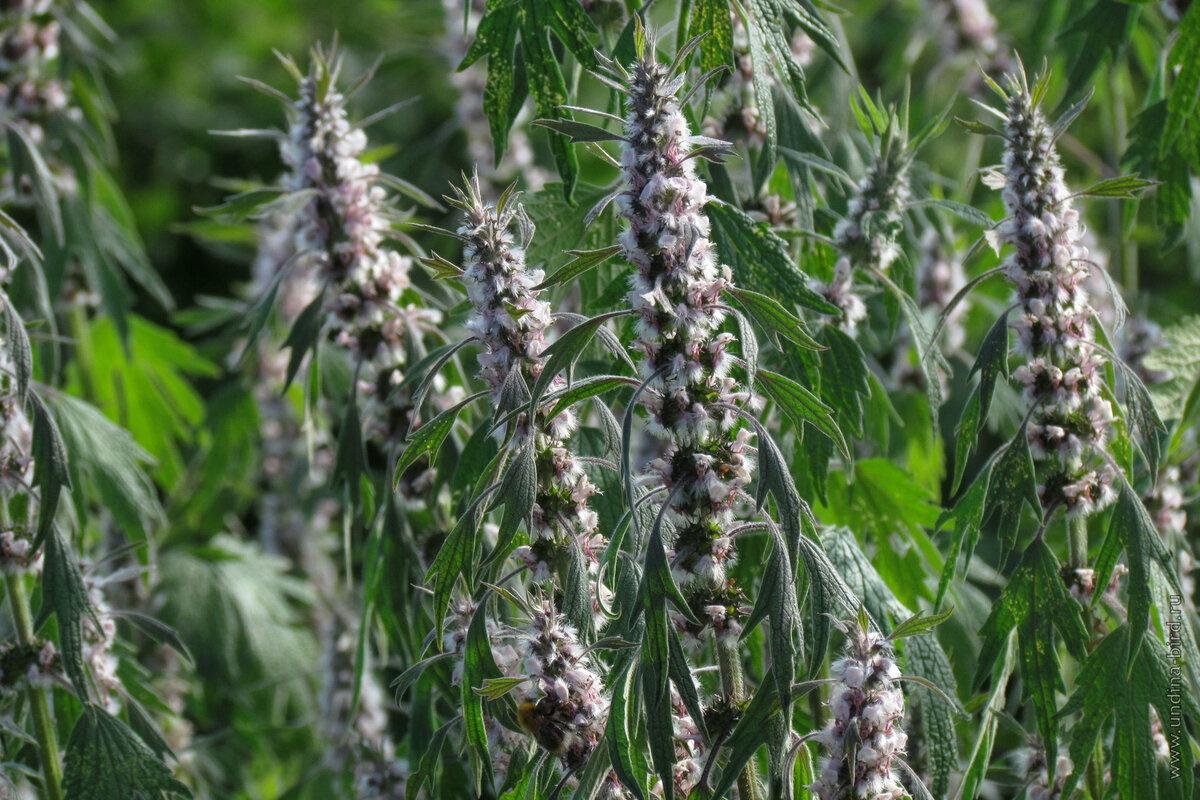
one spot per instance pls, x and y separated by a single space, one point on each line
541 720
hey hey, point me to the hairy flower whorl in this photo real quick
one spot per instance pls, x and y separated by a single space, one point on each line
510 320
1068 428
677 294
868 707
569 708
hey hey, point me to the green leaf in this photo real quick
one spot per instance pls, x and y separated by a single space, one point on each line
1105 29
479 667
1036 602
845 377
774 319
51 471
625 751
802 406
760 260
241 205
562 354
967 515
919 623
1132 528
517 493
1142 415
429 758
587 388
105 759
1012 482
981 752
712 17
1126 186
105 456
579 131
350 462
427 439
748 735
26 161
1106 688
16 341
583 261
65 596
960 210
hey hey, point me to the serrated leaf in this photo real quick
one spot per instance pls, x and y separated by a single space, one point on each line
918 624
51 470
774 319
563 353
479 667
967 515
583 261
1132 528
579 131
1126 186
760 260
105 759
303 336
960 210
748 735
427 439
1013 482
802 406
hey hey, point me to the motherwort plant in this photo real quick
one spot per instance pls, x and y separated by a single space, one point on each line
510 321
677 292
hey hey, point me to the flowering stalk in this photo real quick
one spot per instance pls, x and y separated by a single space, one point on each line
1070 420
692 400
677 293
344 227
510 320
17 559
865 238
864 735
31 90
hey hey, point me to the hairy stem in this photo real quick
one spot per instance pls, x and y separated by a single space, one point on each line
733 685
1077 534
39 700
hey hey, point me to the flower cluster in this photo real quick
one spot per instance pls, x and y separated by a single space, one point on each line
864 735
565 709
346 221
1070 421
98 640
16 469
37 665
939 278
510 321
677 292
865 238
30 86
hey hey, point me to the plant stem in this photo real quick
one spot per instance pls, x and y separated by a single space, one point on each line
1095 772
39 701
1077 534
733 685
